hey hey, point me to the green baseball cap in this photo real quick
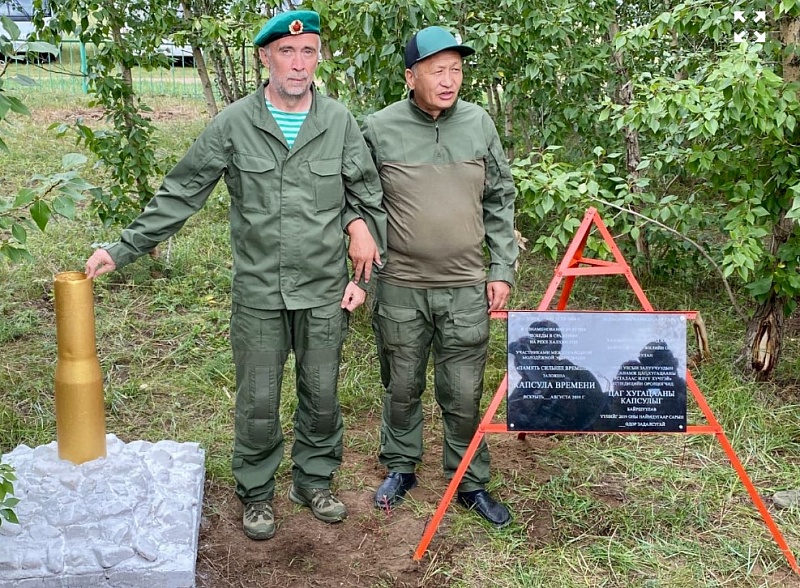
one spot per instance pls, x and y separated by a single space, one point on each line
430 41
291 22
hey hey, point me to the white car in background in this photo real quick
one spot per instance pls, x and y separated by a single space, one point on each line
20 12
179 55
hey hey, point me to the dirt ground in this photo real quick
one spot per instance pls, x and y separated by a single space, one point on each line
369 548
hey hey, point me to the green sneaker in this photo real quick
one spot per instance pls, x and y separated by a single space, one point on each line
259 521
323 504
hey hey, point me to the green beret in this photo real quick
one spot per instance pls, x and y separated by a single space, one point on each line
291 22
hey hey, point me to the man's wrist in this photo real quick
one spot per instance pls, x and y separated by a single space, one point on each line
355 225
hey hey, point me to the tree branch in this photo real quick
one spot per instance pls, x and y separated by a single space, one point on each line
702 251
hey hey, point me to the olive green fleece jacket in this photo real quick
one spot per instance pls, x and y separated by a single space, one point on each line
448 190
288 207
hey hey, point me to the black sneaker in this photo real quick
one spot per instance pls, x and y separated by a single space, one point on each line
482 502
394 488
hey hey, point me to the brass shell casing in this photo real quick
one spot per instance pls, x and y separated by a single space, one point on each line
80 408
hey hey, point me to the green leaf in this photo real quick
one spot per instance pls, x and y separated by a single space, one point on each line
24 80
9 515
794 210
760 287
40 213
15 104
368 23
64 206
19 233
16 253
41 47
24 197
72 160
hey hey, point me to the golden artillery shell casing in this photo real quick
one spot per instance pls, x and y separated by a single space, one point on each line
80 410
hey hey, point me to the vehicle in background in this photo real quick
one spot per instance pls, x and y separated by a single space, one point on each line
20 13
179 55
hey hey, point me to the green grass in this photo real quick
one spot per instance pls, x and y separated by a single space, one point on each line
640 511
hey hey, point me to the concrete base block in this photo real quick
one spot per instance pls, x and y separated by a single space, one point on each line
128 520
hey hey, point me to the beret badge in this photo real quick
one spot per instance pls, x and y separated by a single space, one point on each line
296 27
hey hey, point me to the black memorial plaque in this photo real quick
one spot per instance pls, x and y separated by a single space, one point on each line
596 371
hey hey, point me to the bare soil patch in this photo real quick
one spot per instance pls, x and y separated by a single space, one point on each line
371 547
188 110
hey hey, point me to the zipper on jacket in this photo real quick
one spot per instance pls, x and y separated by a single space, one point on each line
436 126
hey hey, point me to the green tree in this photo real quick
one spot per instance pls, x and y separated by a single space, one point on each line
732 127
32 206
125 33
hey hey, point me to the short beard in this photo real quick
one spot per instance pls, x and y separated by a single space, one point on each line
284 93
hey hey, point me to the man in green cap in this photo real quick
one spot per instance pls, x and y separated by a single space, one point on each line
447 191
299 176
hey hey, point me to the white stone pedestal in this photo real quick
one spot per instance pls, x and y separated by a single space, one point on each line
131 519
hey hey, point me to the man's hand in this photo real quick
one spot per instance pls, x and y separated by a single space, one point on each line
498 293
353 297
99 263
362 251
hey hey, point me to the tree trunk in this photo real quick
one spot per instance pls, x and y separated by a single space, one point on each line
200 64
765 330
243 67
509 129
680 75
222 78
491 103
205 82
498 103
257 68
330 89
129 107
790 37
764 337
237 91
633 155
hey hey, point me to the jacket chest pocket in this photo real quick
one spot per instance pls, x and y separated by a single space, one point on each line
326 175
252 181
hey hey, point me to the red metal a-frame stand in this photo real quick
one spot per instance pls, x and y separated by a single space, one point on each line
572 266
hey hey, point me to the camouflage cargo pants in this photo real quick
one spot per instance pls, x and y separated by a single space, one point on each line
261 341
454 324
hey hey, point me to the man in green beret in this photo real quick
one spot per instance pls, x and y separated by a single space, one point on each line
448 192
300 176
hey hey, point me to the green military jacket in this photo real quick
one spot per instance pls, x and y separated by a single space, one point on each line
448 191
288 207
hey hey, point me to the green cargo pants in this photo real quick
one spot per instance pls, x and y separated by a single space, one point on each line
261 341
408 322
